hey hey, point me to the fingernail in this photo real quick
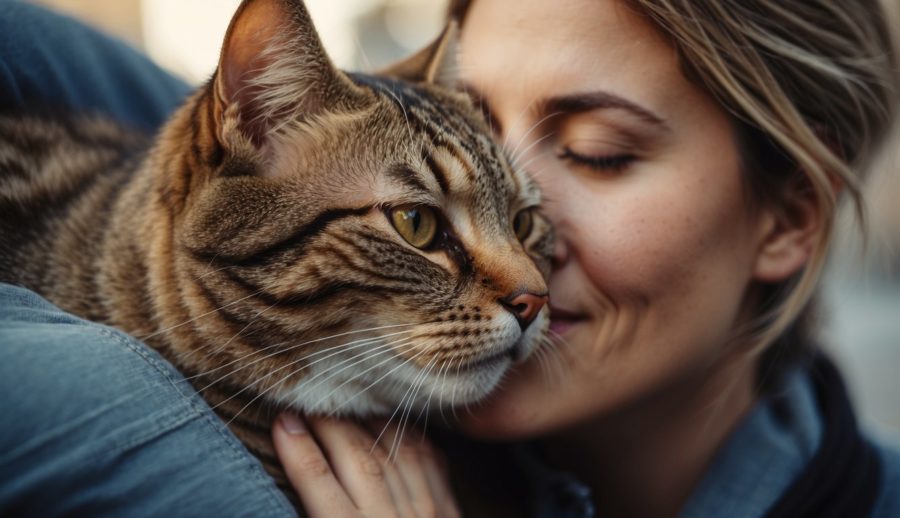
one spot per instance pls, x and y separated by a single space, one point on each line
293 424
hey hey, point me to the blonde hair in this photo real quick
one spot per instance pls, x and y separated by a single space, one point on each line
811 86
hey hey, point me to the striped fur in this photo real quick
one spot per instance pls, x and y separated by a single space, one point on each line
250 244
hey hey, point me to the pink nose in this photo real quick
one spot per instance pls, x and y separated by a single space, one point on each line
524 306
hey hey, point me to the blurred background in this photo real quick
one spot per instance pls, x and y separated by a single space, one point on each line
862 287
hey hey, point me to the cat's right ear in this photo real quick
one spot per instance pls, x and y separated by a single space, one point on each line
274 70
434 64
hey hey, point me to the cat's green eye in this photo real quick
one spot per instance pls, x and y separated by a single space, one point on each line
416 223
522 224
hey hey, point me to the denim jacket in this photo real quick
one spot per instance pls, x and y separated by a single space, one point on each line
755 467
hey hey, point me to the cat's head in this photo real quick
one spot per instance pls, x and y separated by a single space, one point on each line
348 242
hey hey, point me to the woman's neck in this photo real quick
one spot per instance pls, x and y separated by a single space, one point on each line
647 459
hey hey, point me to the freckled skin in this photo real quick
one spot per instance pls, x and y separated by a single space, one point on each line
655 258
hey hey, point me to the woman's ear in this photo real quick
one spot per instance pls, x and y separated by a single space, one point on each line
789 232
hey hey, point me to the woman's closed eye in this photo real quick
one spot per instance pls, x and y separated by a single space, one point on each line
607 162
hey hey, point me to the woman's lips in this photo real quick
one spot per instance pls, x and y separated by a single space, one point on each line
561 320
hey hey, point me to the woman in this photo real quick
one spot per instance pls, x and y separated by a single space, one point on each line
691 153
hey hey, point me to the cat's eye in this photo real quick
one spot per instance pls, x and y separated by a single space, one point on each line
417 224
522 224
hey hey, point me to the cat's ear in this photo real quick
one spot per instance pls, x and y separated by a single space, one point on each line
434 64
274 69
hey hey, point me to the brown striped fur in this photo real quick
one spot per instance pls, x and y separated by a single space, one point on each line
256 226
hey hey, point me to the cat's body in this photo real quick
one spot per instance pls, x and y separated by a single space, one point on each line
294 237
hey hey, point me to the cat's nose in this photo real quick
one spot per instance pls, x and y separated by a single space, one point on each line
524 306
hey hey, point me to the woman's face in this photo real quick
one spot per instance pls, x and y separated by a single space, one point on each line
640 171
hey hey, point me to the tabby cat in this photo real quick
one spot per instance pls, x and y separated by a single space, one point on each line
295 236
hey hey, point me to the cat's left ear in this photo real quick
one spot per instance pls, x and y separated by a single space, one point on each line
273 70
435 64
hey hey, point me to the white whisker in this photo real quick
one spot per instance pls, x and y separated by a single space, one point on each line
282 380
515 158
370 385
322 351
533 127
406 345
151 335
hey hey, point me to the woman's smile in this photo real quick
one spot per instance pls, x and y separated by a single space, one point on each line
561 320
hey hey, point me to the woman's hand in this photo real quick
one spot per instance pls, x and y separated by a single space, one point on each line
338 470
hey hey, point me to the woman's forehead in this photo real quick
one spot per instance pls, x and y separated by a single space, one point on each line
521 52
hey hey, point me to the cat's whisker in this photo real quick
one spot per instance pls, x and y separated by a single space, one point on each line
534 176
282 380
400 405
370 385
558 362
367 63
291 373
301 344
420 381
558 338
556 355
405 115
516 158
528 162
210 272
253 320
431 394
340 348
453 394
539 356
210 263
399 346
427 406
446 371
514 153
404 418
176 326
407 347
292 347
516 120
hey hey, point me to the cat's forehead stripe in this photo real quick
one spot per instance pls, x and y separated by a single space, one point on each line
407 177
481 168
437 171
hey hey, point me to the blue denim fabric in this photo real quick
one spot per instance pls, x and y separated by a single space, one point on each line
769 449
52 62
94 423
761 459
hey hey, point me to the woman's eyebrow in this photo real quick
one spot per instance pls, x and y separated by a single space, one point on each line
582 102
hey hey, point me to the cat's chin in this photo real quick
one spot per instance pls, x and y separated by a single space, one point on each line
434 392
394 387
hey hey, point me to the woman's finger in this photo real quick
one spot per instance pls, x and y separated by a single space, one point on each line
435 469
308 470
357 465
397 485
417 462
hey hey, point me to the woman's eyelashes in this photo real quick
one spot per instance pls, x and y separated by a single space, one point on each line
609 163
